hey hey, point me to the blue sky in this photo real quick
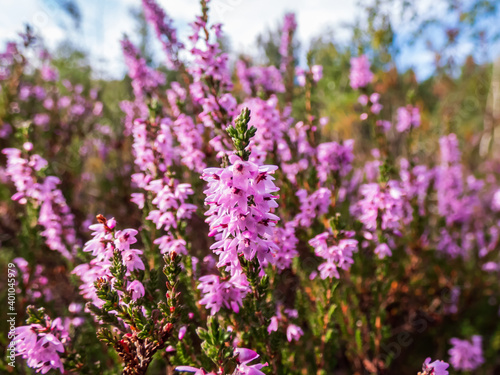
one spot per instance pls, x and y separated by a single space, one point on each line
105 21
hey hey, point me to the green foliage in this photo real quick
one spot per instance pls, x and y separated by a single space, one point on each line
241 134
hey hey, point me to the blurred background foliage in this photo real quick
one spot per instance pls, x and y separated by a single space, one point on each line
458 94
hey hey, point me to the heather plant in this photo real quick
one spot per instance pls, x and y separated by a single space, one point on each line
247 237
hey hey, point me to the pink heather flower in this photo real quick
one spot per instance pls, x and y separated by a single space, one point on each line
451 304
24 92
289 27
449 148
385 201
435 368
137 289
54 214
292 313
49 74
48 103
360 74
39 93
165 32
31 279
182 332
98 107
77 109
210 64
103 244
41 119
64 102
217 293
408 117
138 199
132 260
144 79
243 358
312 206
241 225
375 97
491 267
168 244
385 208
337 254
271 129
169 196
41 346
286 249
301 78
75 308
334 158
259 79
189 136
317 72
273 326
495 204
293 332
363 100
466 355
376 108
383 250
28 146
457 199
125 238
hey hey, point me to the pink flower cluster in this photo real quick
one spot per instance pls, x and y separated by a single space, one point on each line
42 346
293 331
54 215
315 72
434 368
259 79
286 246
335 158
270 130
336 250
289 27
211 76
312 206
243 358
170 197
144 78
360 74
459 202
223 292
190 143
374 101
384 204
466 355
155 153
408 117
102 246
165 32
241 198
32 280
